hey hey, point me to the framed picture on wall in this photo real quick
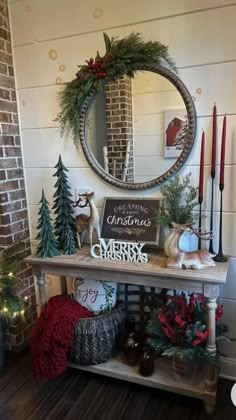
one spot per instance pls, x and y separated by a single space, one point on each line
175 129
130 219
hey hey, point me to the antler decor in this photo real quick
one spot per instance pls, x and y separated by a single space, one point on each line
204 235
188 227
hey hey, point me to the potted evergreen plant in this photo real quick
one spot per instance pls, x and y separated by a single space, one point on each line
179 201
178 328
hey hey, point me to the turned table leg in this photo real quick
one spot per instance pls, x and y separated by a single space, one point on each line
42 291
64 290
211 294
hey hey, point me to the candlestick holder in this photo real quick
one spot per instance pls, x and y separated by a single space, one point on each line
200 200
211 217
220 257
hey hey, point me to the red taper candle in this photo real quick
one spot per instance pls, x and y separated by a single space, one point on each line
201 173
213 151
222 156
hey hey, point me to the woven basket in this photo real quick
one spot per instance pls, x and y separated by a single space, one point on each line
97 339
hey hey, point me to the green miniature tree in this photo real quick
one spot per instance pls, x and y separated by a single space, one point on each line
48 245
64 223
69 242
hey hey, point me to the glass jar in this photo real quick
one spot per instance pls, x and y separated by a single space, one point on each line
146 362
188 371
131 350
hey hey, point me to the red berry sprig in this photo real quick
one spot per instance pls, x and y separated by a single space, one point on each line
96 67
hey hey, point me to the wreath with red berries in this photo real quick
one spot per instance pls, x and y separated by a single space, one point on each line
122 57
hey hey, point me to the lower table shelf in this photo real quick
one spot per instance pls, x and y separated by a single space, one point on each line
161 379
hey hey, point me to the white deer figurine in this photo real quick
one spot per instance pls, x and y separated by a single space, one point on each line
84 222
192 259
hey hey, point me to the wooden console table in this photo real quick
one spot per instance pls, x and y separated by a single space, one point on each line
153 274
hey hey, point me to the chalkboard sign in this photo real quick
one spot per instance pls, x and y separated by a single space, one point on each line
130 219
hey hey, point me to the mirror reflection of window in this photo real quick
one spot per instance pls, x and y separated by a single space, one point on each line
127 127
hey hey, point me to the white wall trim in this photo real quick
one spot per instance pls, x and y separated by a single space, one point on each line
228 368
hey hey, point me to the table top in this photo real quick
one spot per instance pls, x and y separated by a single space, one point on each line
155 267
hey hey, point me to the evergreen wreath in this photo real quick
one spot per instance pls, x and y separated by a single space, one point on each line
122 57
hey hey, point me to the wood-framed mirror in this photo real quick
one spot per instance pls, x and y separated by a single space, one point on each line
137 132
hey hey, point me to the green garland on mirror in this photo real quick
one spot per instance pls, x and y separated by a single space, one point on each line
122 57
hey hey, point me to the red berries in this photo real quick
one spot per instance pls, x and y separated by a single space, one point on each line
96 67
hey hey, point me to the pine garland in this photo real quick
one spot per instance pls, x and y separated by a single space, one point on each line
122 57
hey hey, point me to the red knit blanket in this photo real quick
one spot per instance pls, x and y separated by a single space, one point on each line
52 335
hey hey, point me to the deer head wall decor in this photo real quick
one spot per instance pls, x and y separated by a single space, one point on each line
87 223
192 259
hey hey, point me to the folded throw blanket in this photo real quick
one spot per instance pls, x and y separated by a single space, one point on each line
53 334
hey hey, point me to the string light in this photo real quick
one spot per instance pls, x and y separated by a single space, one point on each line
10 274
22 312
15 314
5 309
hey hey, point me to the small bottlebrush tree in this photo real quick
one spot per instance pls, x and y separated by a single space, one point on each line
64 222
48 246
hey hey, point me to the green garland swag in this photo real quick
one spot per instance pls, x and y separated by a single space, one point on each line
122 57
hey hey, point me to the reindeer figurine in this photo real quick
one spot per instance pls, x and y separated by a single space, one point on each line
192 259
87 223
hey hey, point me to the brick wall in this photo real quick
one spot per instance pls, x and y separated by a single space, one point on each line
119 127
14 224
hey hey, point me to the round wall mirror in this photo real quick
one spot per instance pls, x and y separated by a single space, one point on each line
138 132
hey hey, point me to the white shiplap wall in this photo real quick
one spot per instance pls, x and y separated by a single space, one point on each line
201 37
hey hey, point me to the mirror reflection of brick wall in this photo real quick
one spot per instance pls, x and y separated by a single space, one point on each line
120 129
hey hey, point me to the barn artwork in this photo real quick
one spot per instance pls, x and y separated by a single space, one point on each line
175 130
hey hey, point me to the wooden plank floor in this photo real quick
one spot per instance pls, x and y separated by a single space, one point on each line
83 396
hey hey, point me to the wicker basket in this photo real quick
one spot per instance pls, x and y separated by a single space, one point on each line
97 339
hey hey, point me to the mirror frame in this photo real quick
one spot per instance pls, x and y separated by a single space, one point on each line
192 125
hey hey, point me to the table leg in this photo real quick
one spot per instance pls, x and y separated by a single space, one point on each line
64 290
42 290
211 293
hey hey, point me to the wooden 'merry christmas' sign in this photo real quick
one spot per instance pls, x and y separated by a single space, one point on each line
119 251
